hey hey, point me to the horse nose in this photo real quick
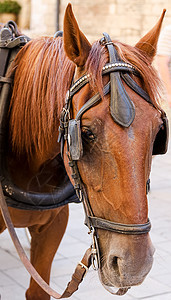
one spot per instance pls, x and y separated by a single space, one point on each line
114 263
130 267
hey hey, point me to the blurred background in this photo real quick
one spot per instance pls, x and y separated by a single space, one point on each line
126 20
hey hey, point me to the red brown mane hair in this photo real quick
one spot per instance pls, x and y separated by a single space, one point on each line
43 74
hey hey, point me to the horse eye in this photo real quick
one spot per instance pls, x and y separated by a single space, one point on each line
88 134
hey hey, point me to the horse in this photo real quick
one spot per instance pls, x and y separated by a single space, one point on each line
114 135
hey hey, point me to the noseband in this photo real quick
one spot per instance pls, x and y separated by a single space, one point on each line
123 112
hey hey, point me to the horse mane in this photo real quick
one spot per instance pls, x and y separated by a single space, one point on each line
43 75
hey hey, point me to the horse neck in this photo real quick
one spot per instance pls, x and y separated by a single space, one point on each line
43 74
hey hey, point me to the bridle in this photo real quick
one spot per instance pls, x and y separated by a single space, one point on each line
70 131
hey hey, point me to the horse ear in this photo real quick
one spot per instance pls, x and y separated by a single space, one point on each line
76 45
148 43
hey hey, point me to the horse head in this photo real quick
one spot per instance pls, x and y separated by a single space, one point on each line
116 120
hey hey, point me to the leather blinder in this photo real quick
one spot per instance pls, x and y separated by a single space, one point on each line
121 106
162 138
74 139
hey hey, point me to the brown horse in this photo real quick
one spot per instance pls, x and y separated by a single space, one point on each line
116 160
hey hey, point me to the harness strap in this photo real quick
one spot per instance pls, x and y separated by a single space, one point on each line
120 228
3 60
4 55
135 87
6 79
92 101
77 276
19 41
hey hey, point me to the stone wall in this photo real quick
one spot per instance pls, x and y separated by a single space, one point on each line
24 16
126 20
39 16
43 16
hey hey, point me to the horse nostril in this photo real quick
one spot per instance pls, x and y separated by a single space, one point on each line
114 261
114 264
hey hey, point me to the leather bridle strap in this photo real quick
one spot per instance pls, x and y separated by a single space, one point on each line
118 227
77 276
136 88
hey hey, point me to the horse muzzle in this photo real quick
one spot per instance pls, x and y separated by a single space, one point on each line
126 261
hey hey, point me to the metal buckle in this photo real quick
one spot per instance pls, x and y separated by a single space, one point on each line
80 195
104 42
94 257
78 191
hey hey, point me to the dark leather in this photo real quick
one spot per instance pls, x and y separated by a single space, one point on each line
18 198
21 40
120 228
121 106
92 101
135 87
74 139
4 53
160 145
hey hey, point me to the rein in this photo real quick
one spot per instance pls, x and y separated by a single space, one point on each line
77 276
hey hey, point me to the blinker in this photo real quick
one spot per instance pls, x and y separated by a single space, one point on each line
121 106
74 139
162 138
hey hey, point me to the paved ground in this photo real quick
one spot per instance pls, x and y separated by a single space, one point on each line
157 286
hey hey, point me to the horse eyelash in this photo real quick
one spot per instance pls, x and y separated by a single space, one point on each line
88 134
